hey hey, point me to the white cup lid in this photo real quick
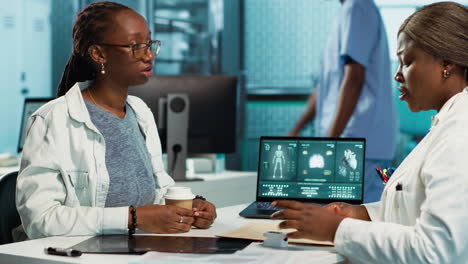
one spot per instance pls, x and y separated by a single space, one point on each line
179 193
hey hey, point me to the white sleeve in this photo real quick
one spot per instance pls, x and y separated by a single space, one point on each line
439 235
42 192
373 210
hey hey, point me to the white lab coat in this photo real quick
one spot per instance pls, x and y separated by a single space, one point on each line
63 181
427 220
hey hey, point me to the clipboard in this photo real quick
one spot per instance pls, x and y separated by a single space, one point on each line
140 244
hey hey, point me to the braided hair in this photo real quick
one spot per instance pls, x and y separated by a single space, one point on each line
89 26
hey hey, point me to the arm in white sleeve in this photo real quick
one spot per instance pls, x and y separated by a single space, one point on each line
440 233
46 199
373 210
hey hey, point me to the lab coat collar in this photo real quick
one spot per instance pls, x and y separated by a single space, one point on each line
446 107
76 105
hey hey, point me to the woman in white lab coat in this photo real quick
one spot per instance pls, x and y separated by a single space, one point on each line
423 213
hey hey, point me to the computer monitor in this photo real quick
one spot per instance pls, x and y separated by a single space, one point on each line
30 106
212 109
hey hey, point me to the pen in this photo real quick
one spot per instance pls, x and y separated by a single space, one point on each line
62 252
381 174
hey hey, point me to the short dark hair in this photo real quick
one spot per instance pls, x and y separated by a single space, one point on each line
89 26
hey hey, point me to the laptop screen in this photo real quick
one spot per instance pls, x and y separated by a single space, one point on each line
326 169
30 106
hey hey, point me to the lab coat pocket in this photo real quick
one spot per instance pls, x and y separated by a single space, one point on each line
403 206
79 180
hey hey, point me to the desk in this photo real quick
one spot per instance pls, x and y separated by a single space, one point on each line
32 251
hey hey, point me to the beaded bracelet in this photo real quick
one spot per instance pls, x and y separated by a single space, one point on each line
132 228
199 197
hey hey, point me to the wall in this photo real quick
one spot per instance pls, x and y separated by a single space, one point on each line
25 67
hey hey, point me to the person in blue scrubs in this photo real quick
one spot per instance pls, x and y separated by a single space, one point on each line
353 97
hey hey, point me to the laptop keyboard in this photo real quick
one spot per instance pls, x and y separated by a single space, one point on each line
266 206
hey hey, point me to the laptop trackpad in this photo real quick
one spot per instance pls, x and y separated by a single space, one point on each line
266 211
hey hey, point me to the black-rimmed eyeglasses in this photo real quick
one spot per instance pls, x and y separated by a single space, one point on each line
139 49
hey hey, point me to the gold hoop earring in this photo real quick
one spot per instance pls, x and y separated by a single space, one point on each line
103 71
446 73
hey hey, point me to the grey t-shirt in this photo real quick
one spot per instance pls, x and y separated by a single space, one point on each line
127 159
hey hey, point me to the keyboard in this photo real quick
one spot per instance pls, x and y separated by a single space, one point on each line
266 206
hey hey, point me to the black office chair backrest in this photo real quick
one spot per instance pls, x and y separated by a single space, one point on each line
9 218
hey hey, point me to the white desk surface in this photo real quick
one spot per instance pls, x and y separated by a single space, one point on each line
32 251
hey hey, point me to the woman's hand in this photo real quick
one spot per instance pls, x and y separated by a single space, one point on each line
204 213
348 210
310 220
163 219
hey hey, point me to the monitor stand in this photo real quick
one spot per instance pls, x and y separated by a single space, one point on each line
177 133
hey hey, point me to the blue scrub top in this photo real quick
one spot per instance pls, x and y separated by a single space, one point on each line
360 34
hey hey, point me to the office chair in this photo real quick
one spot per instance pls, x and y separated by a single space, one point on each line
9 215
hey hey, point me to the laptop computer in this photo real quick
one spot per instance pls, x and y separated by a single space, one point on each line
315 170
30 106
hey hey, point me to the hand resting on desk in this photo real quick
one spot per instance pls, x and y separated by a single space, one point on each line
163 219
348 210
204 213
314 222
168 219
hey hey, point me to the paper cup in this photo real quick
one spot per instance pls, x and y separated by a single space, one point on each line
180 203
179 196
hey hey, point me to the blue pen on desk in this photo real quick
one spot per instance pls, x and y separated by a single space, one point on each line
68 252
